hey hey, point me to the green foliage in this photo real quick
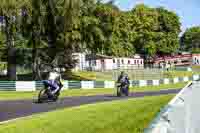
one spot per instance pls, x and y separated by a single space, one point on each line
10 9
3 66
66 26
191 39
196 50
169 28
2 40
156 30
109 31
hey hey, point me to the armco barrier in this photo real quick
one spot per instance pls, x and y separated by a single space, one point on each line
25 86
7 85
87 84
37 85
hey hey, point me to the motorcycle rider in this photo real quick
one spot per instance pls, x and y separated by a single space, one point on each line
54 80
123 79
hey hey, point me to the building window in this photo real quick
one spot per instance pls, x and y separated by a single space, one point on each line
113 60
134 61
141 62
137 61
129 62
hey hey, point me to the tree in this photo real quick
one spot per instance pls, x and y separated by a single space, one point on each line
10 9
69 34
31 29
145 26
66 26
3 54
169 28
50 27
61 24
92 36
155 30
190 40
123 36
116 38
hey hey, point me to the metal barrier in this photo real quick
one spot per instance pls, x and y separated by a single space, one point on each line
37 85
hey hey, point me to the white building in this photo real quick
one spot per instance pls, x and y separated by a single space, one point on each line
81 61
101 62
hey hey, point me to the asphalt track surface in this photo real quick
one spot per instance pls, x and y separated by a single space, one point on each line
21 108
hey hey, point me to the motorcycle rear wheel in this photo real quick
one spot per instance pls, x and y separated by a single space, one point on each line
43 95
55 98
119 92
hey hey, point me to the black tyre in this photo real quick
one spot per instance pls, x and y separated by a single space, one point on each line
55 98
119 92
43 96
127 91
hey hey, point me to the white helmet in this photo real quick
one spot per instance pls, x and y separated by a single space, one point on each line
56 69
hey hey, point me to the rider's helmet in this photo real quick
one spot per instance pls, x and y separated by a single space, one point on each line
55 69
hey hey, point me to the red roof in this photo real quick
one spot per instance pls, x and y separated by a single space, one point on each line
164 58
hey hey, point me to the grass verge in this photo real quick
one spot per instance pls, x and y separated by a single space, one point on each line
77 92
133 75
126 116
174 74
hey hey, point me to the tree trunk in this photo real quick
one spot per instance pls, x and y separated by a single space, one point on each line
51 49
11 58
11 69
38 69
51 30
34 62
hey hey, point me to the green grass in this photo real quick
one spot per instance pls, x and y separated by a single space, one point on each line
78 92
81 75
196 68
133 75
126 116
173 74
112 75
100 76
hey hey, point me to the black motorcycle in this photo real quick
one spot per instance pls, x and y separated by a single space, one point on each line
122 89
45 93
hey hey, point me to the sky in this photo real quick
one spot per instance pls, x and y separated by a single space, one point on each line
187 10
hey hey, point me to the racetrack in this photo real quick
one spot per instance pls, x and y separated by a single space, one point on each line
20 108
